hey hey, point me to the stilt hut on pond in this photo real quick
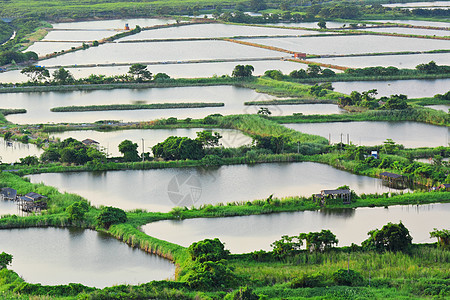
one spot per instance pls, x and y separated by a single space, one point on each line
32 202
344 194
8 194
394 180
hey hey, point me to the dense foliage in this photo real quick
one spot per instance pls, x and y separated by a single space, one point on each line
111 215
392 237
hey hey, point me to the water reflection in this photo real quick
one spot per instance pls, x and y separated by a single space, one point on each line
79 256
250 233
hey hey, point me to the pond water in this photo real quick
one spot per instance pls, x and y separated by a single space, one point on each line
409 134
78 35
416 23
415 31
38 104
11 151
405 61
251 233
53 256
440 4
439 107
163 189
213 30
360 44
330 24
412 88
9 208
185 70
112 24
110 140
160 52
44 48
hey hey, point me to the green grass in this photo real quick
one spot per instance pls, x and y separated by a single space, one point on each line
424 115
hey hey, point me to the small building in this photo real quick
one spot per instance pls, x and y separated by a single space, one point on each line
374 154
32 202
344 194
90 142
299 55
8 194
393 179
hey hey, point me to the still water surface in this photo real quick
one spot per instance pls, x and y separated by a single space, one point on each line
250 233
53 256
163 189
11 151
406 61
412 88
360 44
38 105
409 134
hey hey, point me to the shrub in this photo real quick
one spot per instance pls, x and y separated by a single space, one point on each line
307 280
347 277
208 250
111 215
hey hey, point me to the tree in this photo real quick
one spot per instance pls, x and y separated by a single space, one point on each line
140 72
36 73
328 73
429 68
392 237
396 102
77 210
129 150
286 246
208 138
29 160
443 237
298 74
62 76
5 260
319 241
243 71
208 250
274 74
161 76
111 215
179 148
313 70
390 147
322 25
264 111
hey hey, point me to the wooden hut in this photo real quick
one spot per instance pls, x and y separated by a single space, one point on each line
345 195
8 194
393 179
90 142
32 202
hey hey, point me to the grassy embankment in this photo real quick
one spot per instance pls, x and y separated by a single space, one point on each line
424 115
134 106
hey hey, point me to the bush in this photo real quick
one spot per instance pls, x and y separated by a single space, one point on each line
208 250
392 237
307 280
347 277
111 215
210 275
